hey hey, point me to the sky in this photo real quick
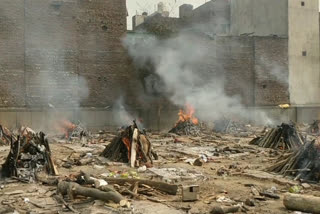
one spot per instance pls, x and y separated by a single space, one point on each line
139 6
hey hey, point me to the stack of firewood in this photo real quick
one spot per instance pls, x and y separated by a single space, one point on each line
130 146
302 164
284 137
186 128
29 154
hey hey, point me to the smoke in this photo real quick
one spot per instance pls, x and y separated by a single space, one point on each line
177 62
122 117
275 70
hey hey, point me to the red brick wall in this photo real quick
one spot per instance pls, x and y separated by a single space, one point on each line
46 45
271 71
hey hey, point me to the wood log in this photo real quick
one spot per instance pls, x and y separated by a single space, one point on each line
73 189
134 144
224 209
303 203
164 187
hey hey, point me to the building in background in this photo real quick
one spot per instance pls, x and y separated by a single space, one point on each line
271 45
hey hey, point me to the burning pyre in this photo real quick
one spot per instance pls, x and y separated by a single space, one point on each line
303 164
284 137
130 146
187 124
70 130
29 153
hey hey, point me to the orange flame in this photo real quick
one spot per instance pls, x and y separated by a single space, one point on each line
65 126
187 115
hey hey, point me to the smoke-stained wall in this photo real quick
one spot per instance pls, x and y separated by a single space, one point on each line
65 53
12 75
271 70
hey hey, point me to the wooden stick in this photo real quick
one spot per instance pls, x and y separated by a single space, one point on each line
134 147
164 187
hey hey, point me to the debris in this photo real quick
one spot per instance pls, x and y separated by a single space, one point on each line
190 193
314 128
142 169
302 164
284 137
306 185
304 203
198 162
249 202
295 189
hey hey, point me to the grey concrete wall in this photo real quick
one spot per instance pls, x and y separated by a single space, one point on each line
304 36
259 17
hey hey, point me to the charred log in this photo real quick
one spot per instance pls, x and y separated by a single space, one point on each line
186 128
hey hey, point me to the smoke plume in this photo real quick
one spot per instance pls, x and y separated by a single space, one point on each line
177 62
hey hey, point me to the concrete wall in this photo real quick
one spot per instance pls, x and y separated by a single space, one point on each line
259 17
304 40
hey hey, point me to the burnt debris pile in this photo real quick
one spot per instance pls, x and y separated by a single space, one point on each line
314 128
284 137
130 146
303 164
29 154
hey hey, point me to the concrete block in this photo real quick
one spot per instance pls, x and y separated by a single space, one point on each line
190 193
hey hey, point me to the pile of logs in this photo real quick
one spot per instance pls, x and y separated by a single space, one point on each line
186 128
6 135
130 146
29 154
303 164
284 137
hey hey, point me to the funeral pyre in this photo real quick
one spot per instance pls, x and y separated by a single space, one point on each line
130 146
302 164
187 124
70 130
284 137
29 154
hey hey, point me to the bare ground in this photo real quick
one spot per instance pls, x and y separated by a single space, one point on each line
226 178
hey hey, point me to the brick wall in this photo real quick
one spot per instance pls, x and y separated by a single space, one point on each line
271 70
12 86
52 46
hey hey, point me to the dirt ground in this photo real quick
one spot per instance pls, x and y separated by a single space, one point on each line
232 171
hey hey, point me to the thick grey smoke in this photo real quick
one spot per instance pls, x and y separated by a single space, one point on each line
176 61
275 70
122 117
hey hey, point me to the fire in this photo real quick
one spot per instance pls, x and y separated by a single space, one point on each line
187 115
65 126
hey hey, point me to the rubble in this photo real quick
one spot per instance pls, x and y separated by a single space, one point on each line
284 137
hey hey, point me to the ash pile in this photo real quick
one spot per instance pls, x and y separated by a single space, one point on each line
230 126
187 124
130 146
29 154
303 164
284 137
